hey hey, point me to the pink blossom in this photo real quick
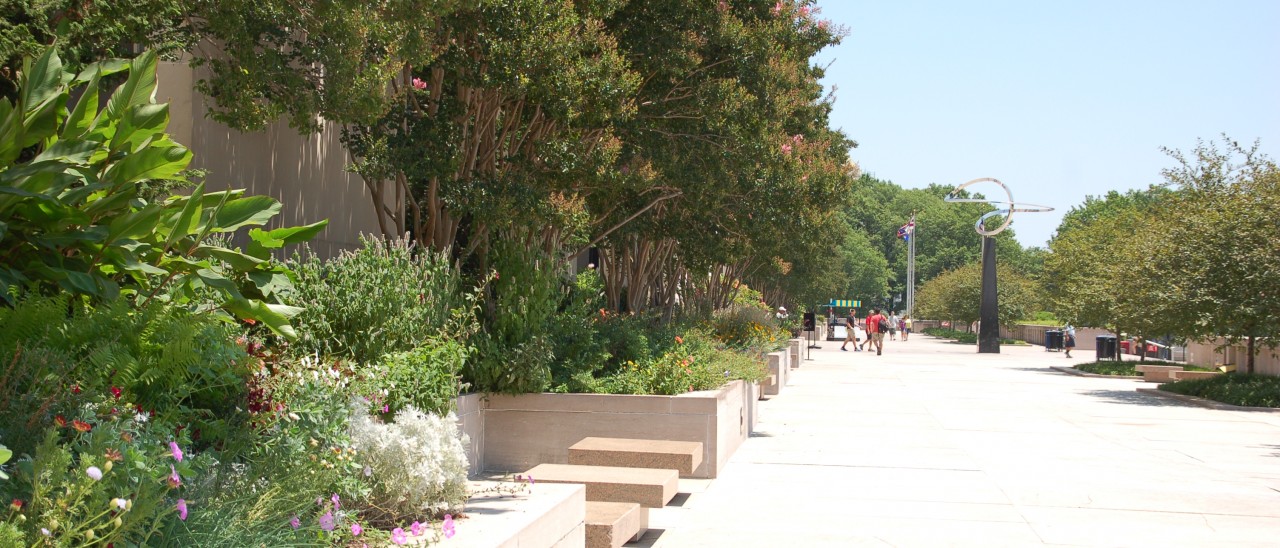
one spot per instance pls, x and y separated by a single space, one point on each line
786 148
337 502
295 522
175 451
174 479
398 536
447 526
182 509
326 521
356 529
416 528
777 8
822 24
419 84
804 11
724 6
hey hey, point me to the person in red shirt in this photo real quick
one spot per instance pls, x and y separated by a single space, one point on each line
877 324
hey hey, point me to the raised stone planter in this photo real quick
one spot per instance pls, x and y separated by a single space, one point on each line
551 514
793 352
779 369
1158 373
523 431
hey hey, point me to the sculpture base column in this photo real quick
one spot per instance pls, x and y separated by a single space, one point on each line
989 325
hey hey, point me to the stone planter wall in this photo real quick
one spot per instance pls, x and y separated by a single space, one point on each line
522 431
471 423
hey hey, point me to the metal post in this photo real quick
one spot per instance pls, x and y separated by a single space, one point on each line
989 325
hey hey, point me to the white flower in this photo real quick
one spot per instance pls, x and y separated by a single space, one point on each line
141 418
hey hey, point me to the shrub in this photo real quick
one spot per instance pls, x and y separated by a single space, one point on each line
382 298
515 350
748 328
694 362
72 205
580 349
417 463
1232 388
425 378
182 366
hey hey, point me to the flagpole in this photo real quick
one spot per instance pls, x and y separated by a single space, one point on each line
911 267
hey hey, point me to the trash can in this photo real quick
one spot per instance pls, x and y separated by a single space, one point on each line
1106 347
1052 340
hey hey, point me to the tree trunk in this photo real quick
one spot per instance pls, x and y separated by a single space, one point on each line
1252 349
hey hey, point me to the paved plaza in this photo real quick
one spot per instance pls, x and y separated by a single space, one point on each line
932 444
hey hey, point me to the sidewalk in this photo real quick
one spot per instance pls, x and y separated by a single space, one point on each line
932 444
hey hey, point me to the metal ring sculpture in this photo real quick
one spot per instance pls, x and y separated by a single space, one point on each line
1010 207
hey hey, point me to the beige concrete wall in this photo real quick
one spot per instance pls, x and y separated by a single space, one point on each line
525 430
307 174
1211 353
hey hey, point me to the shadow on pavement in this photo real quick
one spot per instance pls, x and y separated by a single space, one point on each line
1131 397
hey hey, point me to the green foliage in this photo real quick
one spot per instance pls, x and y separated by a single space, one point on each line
181 365
580 347
957 295
87 31
134 462
72 219
384 298
515 350
1112 368
426 378
695 362
1233 388
750 328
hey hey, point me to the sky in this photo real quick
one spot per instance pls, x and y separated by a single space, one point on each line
1058 100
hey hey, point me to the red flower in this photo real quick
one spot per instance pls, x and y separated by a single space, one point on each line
250 321
679 340
16 505
60 420
115 392
81 426
75 389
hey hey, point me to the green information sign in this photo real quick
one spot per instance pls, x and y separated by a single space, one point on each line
847 303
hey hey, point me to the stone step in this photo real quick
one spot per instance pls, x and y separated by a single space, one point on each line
648 487
612 524
1157 373
682 456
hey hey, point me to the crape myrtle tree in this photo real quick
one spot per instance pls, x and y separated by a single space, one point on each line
731 121
87 31
1223 244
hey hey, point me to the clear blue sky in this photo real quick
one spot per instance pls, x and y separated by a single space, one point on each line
1059 100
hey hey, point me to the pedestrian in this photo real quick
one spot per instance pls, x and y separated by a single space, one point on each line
1068 338
906 326
893 326
782 313
850 331
877 324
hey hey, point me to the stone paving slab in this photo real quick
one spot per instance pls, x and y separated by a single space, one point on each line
932 444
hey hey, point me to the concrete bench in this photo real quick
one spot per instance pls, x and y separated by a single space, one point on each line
1158 373
612 524
1187 375
648 487
682 456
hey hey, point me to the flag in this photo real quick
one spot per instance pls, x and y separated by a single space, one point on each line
906 230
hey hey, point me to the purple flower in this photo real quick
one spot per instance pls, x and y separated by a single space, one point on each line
175 450
295 523
356 529
416 528
530 478
94 473
398 536
326 521
386 409
448 526
182 509
337 502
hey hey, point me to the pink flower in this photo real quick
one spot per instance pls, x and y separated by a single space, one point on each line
337 502
295 522
94 473
786 148
447 526
326 521
419 84
356 529
777 8
398 536
182 509
724 6
804 11
416 528
174 479
822 24
386 409
175 450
